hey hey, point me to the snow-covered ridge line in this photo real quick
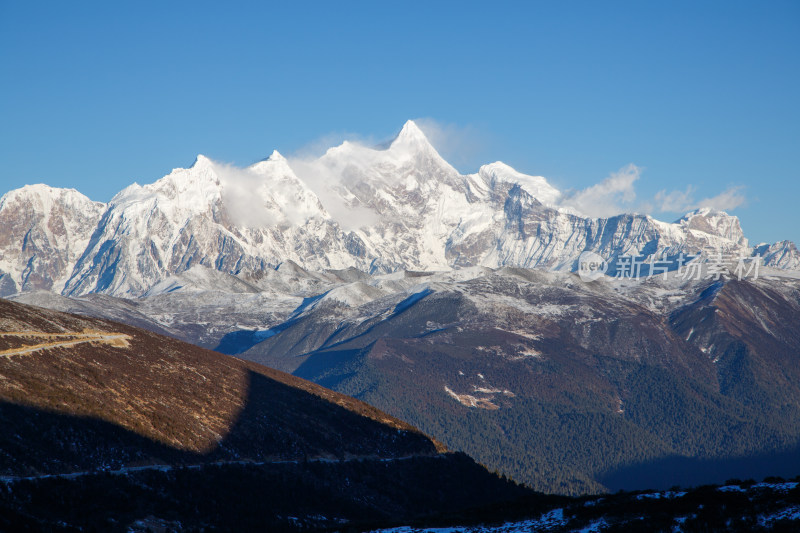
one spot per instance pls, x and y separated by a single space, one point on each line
396 207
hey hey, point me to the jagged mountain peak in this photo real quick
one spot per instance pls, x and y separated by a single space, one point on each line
202 161
198 183
409 133
194 187
273 157
704 212
378 209
44 196
408 142
536 186
43 231
783 254
275 165
339 154
412 142
36 189
407 161
715 222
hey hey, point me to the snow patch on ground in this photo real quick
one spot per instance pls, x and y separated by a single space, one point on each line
549 521
469 400
790 513
668 495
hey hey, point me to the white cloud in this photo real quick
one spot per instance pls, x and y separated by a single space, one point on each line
726 200
326 183
256 199
243 206
319 146
458 145
616 194
612 196
683 201
674 201
329 178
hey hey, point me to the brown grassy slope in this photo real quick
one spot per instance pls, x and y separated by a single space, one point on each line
186 397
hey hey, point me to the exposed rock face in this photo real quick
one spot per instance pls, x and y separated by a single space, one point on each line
782 254
400 206
44 233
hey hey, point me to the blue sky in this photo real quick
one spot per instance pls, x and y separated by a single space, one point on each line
701 96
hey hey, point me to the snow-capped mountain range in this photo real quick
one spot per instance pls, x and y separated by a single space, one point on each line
397 206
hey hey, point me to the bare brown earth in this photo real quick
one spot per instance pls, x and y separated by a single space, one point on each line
61 340
168 391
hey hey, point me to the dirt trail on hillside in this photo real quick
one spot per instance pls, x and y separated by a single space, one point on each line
69 339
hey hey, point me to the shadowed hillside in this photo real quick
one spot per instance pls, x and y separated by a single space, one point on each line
155 429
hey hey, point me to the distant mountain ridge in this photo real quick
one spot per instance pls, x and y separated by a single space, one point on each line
398 207
567 386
